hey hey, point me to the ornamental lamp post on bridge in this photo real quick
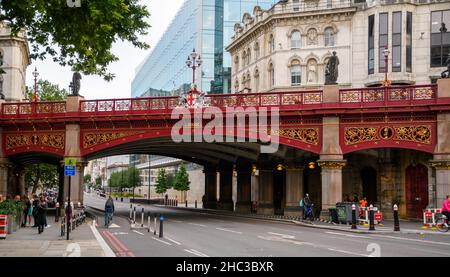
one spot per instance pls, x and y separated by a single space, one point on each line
386 53
193 61
35 75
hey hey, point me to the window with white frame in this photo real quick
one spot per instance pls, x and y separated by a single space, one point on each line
329 36
257 51
256 80
271 76
271 44
296 5
296 73
296 40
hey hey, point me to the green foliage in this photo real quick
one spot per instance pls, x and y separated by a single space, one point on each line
87 178
182 179
47 91
161 181
80 37
170 180
41 176
125 179
98 182
10 207
125 194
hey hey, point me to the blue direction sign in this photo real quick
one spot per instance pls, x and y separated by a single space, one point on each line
69 170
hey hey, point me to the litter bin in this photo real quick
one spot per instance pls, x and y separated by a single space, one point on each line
334 215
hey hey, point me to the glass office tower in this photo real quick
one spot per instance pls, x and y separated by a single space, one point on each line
207 26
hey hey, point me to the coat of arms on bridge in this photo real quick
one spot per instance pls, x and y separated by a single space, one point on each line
193 98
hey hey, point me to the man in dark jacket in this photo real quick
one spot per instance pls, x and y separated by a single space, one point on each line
109 209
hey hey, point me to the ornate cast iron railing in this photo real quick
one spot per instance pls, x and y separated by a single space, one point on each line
33 108
395 94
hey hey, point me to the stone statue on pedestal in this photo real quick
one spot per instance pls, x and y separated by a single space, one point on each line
332 70
76 84
446 73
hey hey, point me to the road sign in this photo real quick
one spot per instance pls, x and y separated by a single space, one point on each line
378 217
70 162
69 170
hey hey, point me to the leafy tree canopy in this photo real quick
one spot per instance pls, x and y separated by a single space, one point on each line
181 182
161 181
80 37
47 91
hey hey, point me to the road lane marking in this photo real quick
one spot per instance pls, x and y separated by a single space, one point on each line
196 224
119 250
174 241
348 252
165 242
416 240
176 221
138 233
231 231
282 235
114 226
106 249
348 235
197 253
119 242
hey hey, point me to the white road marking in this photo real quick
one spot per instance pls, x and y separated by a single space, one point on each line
348 235
416 240
231 231
73 250
282 235
348 252
165 242
101 241
200 225
119 233
176 221
138 232
174 241
114 226
197 253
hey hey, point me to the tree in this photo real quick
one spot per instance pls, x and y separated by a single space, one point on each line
161 181
87 179
41 176
182 182
170 180
80 37
98 182
47 91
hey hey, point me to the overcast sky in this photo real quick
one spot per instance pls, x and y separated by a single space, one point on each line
94 87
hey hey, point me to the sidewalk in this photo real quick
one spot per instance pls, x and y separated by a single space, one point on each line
26 242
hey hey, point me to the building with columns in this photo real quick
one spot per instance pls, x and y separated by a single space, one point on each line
287 47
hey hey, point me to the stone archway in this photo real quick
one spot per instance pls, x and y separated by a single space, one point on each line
369 184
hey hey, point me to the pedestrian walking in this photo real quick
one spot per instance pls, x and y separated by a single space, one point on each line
41 214
35 205
26 208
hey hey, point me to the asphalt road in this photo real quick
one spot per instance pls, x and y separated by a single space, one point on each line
196 234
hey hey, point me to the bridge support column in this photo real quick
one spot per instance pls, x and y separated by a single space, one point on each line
265 186
442 180
226 187
294 190
4 168
210 187
244 185
331 184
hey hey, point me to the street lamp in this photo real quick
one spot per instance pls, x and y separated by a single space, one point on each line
35 75
194 61
386 53
443 30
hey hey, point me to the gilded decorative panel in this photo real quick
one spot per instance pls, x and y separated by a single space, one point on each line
419 134
305 135
94 139
356 135
27 140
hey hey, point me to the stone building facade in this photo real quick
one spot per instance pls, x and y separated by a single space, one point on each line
15 58
288 46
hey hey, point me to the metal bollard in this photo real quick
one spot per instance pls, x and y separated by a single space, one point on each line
354 217
371 219
196 204
176 202
134 215
161 221
186 204
131 211
396 220
149 221
142 218
154 227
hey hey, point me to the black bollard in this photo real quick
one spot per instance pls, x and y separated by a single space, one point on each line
161 221
354 217
186 204
176 202
196 204
371 219
396 221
